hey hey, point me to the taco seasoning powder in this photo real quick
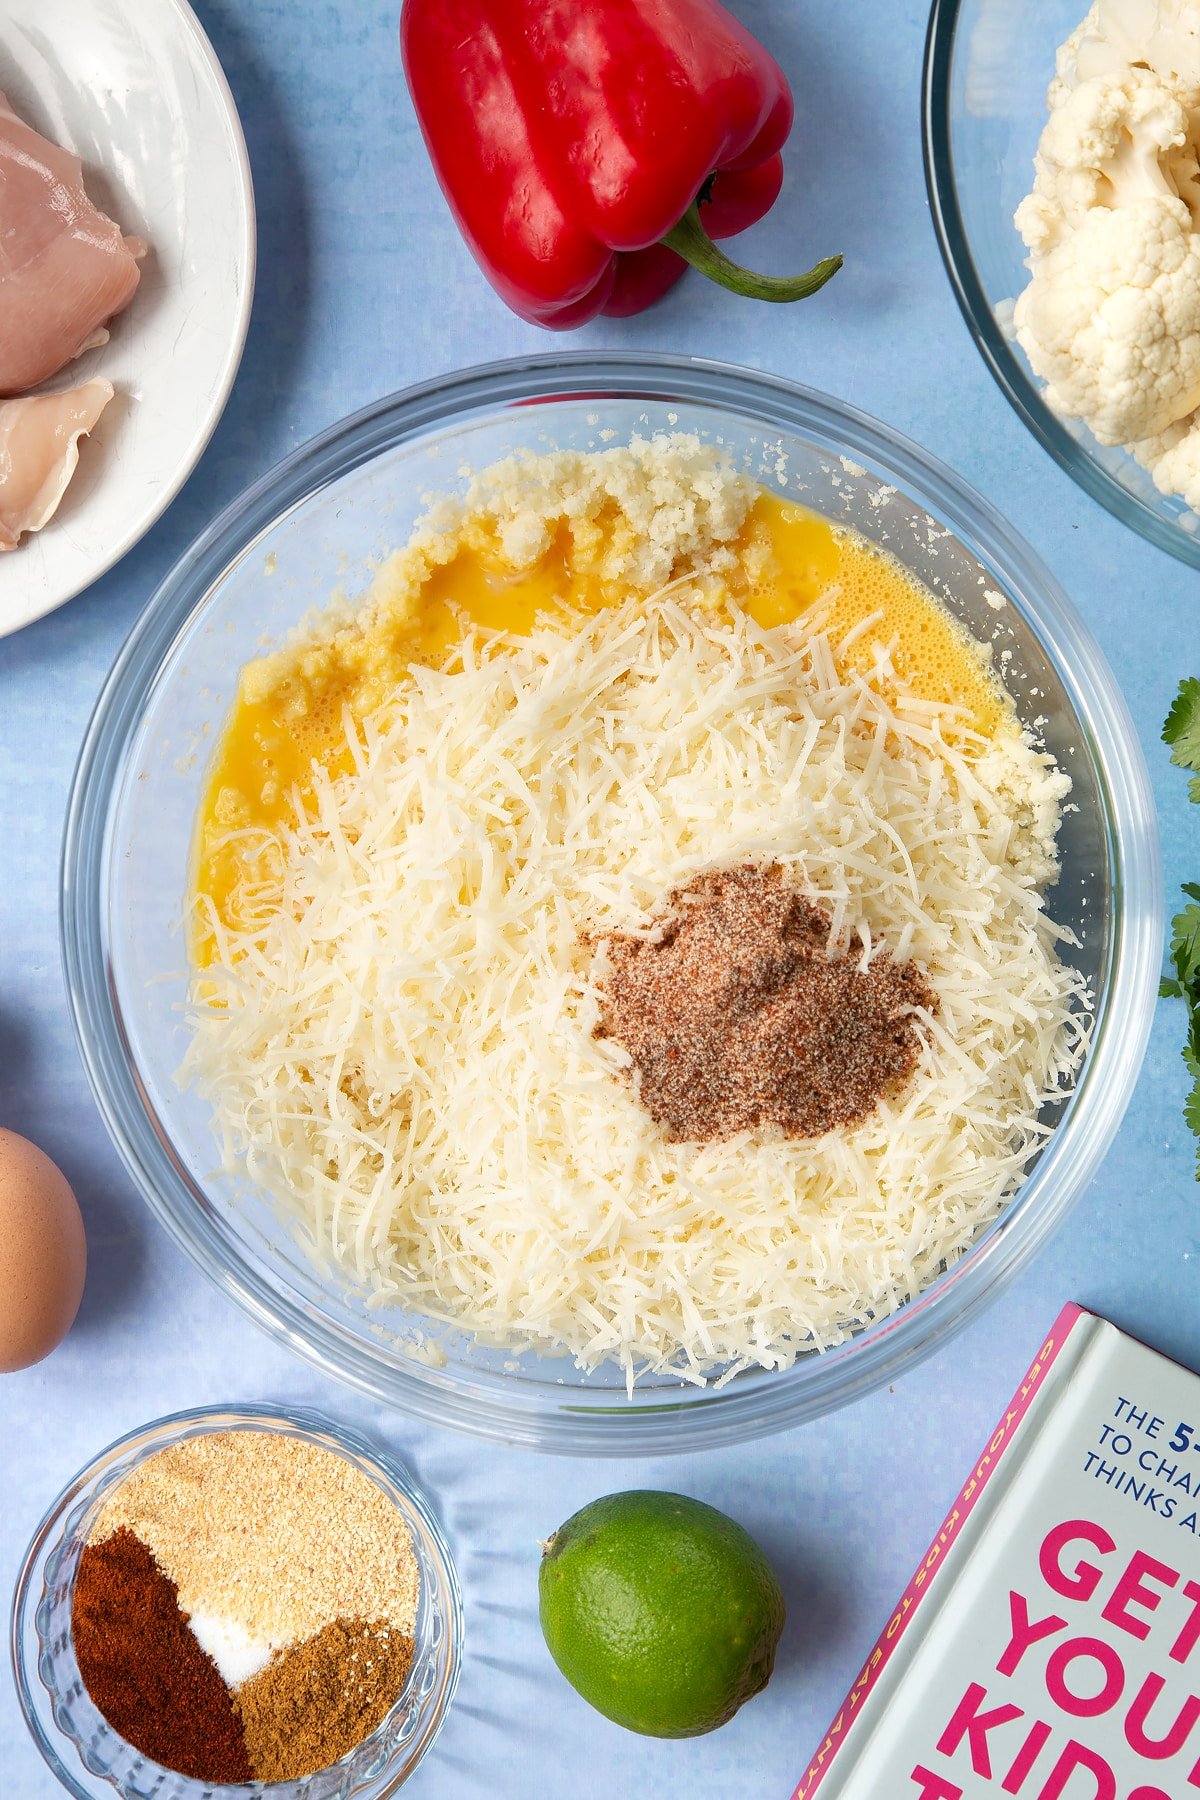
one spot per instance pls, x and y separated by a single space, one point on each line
244 1607
739 1013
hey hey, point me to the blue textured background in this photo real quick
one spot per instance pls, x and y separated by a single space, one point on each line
364 286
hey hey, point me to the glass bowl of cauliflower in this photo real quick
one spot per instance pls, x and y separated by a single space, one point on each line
1062 152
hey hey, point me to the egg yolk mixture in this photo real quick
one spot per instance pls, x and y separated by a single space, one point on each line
290 709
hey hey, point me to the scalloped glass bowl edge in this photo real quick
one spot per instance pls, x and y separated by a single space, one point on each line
82 1750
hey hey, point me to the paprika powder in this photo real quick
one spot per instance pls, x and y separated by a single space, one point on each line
591 149
145 1670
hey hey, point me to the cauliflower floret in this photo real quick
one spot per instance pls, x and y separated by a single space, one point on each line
1111 319
1085 53
1173 459
1163 34
1160 35
1111 316
1111 140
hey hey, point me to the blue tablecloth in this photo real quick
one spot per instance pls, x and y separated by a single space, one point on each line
363 287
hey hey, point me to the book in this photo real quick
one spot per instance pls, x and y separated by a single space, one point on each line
1048 1645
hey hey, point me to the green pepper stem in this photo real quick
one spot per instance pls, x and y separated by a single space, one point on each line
690 240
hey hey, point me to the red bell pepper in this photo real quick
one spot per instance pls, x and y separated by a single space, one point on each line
579 143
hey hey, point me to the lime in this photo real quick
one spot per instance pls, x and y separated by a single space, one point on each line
663 1613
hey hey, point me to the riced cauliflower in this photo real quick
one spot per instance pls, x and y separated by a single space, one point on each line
1111 316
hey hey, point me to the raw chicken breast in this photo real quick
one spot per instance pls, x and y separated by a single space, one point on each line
39 448
65 269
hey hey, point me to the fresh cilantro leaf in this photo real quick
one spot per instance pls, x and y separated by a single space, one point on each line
1191 1112
1185 945
1182 729
1182 733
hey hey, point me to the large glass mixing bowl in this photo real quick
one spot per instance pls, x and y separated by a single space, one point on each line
316 523
988 64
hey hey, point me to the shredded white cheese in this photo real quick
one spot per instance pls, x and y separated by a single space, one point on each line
400 1051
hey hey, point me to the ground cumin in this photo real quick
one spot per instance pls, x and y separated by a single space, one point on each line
736 1017
144 1669
317 1701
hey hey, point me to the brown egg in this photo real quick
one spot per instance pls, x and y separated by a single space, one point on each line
43 1254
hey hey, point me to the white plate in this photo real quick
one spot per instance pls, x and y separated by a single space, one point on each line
134 88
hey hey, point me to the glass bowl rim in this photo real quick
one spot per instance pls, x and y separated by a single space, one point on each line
309 1423
1010 376
545 1415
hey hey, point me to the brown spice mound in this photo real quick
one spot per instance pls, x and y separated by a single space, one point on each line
318 1700
737 1018
144 1669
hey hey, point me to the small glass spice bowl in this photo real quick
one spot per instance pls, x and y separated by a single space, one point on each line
91 1760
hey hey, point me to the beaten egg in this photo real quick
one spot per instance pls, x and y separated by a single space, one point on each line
43 1254
271 741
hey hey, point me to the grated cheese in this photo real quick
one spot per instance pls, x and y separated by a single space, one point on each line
397 1039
